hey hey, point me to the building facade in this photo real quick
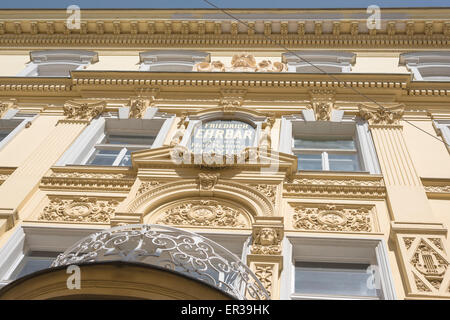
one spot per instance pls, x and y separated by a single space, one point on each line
313 148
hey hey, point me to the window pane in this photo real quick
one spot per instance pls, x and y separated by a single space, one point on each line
343 144
103 157
32 262
309 161
332 278
343 162
4 134
129 139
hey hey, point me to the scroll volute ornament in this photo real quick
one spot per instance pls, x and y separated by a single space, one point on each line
75 111
376 115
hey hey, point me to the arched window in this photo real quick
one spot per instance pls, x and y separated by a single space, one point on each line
171 60
328 61
428 65
57 63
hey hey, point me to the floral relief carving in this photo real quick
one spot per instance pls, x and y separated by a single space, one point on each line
333 218
267 241
83 111
146 186
264 272
408 241
241 62
429 262
81 209
203 213
268 190
420 285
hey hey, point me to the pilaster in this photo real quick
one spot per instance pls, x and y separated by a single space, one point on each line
20 184
265 258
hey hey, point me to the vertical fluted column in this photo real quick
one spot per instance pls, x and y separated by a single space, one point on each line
419 237
23 181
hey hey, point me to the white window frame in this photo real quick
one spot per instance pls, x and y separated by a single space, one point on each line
171 60
443 128
372 251
16 122
363 139
84 146
78 58
30 237
326 60
420 63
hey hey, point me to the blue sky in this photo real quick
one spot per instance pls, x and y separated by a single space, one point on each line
220 3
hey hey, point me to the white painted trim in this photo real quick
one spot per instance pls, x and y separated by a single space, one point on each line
162 134
367 148
329 248
124 112
10 114
78 151
11 253
15 131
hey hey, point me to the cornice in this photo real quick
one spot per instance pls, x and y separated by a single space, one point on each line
340 28
88 179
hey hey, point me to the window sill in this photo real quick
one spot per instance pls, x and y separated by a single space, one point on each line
330 297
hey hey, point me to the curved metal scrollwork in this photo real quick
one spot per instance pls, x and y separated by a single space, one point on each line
171 248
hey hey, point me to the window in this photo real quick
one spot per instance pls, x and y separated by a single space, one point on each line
443 129
57 63
335 268
12 123
344 145
171 60
33 261
115 149
109 141
428 65
326 153
348 279
328 61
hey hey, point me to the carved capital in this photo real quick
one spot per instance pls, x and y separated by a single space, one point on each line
267 236
83 112
376 115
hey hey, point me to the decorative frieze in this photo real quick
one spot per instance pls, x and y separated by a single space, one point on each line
436 188
75 111
337 187
333 217
113 182
79 209
231 100
209 213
